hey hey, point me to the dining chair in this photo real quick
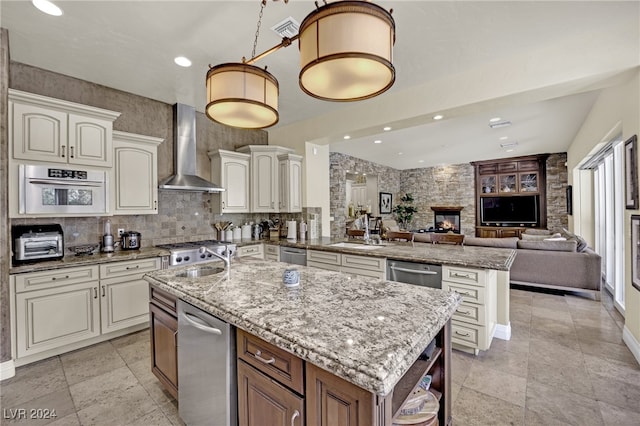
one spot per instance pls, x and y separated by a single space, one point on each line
399 236
355 233
455 239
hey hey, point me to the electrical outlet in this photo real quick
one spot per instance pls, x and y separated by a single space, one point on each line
120 232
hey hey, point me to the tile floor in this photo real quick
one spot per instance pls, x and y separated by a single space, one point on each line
566 364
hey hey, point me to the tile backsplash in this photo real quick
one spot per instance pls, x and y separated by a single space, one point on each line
182 216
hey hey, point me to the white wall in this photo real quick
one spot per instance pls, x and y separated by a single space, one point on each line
617 107
316 185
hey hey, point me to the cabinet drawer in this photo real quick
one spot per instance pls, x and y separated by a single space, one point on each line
324 257
528 165
118 269
163 300
269 249
272 361
466 334
488 169
55 278
507 167
381 275
253 251
472 294
364 262
463 275
469 313
327 266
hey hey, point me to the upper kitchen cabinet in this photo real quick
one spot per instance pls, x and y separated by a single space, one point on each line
231 170
134 174
57 131
264 176
290 180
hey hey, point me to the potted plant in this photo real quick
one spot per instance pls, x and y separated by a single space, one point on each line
404 210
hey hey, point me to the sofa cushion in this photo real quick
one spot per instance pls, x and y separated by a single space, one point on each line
509 242
581 242
539 237
532 231
548 245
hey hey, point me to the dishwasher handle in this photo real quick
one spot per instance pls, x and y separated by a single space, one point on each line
191 319
413 271
296 253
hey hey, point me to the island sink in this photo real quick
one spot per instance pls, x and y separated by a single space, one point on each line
199 272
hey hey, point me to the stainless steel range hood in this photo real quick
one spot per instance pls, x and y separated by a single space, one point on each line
184 154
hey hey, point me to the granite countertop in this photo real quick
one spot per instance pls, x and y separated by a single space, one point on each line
443 254
367 331
71 260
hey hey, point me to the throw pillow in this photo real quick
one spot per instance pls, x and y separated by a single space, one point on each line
581 242
548 245
556 239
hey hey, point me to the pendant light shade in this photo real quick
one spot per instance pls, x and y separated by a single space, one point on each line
242 95
346 51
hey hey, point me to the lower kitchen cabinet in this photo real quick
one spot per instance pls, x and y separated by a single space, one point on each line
163 328
60 310
263 401
254 250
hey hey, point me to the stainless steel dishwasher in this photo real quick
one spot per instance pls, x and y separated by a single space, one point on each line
293 255
423 274
207 383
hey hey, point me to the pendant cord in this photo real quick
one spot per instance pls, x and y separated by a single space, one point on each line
263 3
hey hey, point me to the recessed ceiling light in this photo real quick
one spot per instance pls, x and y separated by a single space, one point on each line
182 61
364 174
377 141
504 138
386 129
438 117
510 150
494 119
346 137
47 7
399 153
420 161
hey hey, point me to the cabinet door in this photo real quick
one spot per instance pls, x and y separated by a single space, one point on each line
164 355
124 302
135 179
488 184
50 318
90 141
262 401
332 401
290 181
38 133
264 189
528 182
235 179
508 182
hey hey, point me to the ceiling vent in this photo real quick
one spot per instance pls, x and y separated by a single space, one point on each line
287 28
508 144
499 124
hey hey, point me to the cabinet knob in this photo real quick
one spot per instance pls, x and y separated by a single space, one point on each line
63 150
155 205
71 151
95 292
103 291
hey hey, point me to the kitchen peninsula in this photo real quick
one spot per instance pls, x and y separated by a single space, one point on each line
358 340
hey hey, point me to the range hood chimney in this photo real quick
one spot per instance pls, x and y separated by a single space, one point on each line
184 154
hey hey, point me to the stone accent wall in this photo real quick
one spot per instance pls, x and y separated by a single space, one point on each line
441 186
557 181
339 164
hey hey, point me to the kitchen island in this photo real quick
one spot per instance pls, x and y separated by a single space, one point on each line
348 331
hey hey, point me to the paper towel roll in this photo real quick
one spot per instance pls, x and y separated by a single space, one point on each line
291 230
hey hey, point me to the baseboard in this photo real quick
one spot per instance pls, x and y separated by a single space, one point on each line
632 343
503 332
7 369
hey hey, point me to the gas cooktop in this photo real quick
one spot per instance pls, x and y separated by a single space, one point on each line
188 253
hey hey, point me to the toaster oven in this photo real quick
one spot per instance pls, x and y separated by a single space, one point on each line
33 243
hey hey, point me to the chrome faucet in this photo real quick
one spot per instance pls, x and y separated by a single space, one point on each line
226 257
367 237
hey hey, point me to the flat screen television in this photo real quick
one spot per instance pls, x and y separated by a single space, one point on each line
509 210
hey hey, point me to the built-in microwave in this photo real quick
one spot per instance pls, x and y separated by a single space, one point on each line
47 189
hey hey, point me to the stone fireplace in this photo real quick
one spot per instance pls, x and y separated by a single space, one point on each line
446 219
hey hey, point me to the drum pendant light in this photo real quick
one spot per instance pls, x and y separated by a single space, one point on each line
346 51
242 95
346 54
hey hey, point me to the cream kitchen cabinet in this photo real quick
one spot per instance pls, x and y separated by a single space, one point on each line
230 170
124 294
290 181
264 177
254 250
134 175
57 131
365 266
64 309
272 252
474 322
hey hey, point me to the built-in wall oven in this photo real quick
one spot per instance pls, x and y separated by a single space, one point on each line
48 189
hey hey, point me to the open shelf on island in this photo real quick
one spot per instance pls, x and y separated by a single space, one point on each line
410 380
